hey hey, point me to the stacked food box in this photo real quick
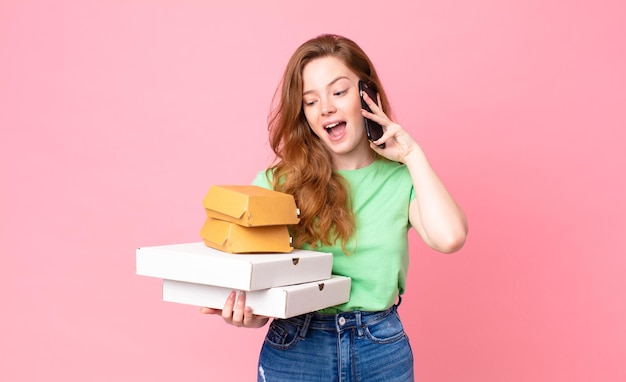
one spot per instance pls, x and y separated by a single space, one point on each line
246 247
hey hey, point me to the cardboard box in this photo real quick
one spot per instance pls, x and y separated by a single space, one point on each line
233 238
280 302
250 206
197 263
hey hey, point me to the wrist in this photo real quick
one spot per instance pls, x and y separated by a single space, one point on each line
416 159
413 153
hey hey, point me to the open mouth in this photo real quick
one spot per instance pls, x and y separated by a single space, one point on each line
335 129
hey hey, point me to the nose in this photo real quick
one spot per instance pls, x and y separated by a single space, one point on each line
327 106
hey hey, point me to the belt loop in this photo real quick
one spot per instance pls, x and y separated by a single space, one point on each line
359 323
305 325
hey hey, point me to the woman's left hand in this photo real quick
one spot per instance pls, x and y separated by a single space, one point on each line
398 143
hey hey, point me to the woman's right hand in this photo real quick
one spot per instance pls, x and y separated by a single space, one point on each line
237 313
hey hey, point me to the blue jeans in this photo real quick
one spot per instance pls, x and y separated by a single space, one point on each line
350 346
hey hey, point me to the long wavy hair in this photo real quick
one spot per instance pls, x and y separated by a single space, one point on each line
303 165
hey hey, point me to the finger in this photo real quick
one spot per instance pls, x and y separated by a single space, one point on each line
373 105
248 316
369 101
227 311
240 307
389 131
393 130
375 146
205 310
251 320
381 118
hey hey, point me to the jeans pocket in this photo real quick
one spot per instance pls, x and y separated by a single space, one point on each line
282 334
387 330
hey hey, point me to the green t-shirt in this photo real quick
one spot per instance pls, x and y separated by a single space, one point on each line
379 258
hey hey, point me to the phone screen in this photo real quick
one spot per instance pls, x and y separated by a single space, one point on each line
373 129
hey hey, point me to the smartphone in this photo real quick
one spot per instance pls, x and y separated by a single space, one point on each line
373 129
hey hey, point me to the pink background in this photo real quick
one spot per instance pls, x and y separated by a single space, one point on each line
117 116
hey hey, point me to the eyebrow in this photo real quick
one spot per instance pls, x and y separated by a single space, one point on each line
329 84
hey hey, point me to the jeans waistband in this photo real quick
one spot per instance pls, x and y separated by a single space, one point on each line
341 321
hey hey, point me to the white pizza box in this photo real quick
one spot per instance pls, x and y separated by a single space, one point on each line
198 263
280 302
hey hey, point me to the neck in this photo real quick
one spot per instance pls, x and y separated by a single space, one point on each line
352 162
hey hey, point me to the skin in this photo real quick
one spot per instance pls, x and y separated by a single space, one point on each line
331 96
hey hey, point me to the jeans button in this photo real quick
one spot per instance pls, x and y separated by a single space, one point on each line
342 321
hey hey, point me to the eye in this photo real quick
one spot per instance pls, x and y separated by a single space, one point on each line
340 93
309 102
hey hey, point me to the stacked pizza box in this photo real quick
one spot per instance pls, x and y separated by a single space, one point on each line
246 247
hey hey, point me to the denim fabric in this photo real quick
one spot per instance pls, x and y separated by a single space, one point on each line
344 347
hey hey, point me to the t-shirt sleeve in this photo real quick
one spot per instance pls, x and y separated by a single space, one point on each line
261 180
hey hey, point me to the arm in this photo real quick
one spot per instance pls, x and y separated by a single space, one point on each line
433 213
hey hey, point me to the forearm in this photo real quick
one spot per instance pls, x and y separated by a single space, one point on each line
434 213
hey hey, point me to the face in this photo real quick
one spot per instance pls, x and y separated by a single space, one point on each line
332 107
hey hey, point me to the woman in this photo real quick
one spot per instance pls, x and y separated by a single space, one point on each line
358 201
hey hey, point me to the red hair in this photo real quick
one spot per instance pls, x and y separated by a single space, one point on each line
304 165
